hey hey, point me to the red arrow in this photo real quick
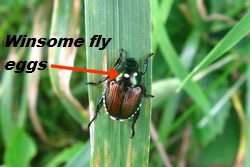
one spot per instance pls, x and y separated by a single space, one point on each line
112 73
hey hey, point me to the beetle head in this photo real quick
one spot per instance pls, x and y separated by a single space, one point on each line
130 65
129 74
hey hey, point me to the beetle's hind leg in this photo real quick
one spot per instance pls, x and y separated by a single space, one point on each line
98 82
99 106
136 116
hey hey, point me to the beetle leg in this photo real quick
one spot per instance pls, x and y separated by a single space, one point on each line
145 90
145 65
119 60
149 96
97 83
133 123
99 106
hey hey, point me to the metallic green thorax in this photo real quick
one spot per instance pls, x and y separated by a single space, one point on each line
129 68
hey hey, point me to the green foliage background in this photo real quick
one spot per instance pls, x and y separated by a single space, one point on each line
206 123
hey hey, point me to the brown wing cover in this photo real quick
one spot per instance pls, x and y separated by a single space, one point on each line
131 102
115 97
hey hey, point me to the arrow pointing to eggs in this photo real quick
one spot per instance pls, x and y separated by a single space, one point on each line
112 73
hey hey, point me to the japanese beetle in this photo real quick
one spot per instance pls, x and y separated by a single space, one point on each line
123 95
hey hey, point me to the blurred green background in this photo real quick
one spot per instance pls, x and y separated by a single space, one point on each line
205 124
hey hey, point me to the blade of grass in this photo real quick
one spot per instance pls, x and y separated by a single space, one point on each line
76 155
247 157
168 85
82 158
165 10
21 150
223 76
239 31
174 62
128 24
32 80
65 23
164 157
187 57
243 125
218 106
190 48
221 63
7 122
170 108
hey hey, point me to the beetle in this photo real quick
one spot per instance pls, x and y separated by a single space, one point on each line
123 95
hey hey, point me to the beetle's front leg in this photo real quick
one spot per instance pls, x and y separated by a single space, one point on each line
136 116
119 60
99 106
98 82
145 65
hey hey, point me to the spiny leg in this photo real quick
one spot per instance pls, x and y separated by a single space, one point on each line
149 96
145 91
145 65
98 82
133 123
99 106
119 60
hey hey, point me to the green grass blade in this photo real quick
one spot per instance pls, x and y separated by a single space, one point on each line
76 155
247 156
168 85
220 104
65 23
128 23
21 150
187 57
238 32
173 60
82 158
190 48
6 110
31 81
165 10
7 123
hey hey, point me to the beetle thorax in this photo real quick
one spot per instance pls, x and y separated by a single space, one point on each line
129 76
131 79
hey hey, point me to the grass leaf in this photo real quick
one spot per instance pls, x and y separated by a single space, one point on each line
65 21
173 60
20 151
247 156
128 23
238 32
